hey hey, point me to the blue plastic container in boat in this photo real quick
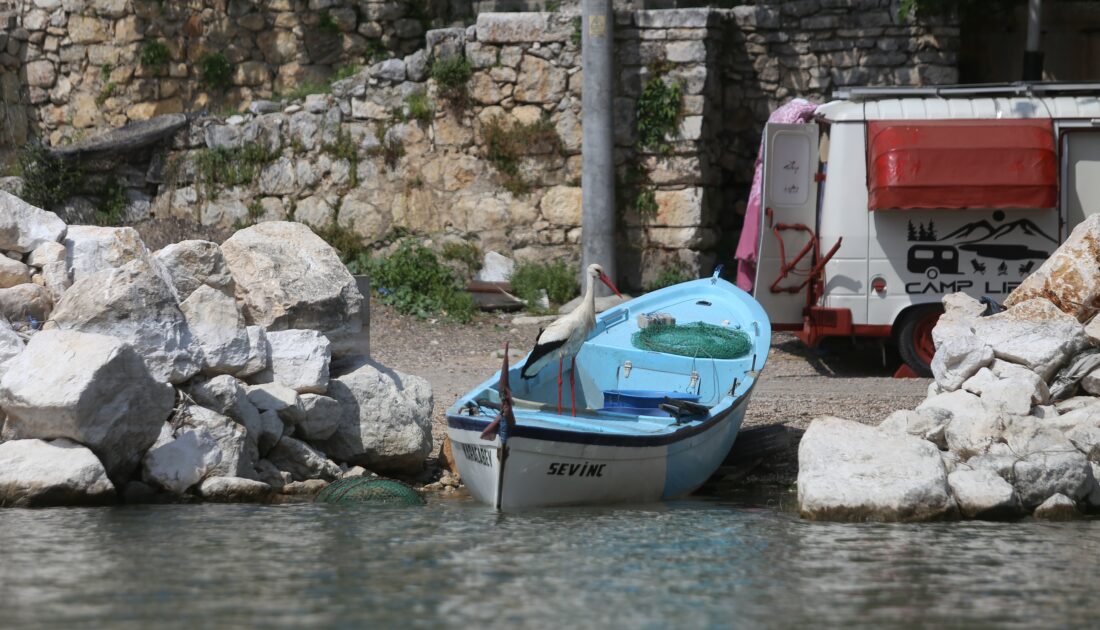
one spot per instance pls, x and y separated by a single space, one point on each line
617 399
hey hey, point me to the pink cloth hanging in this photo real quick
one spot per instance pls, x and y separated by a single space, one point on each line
796 111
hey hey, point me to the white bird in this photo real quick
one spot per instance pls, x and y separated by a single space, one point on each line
565 336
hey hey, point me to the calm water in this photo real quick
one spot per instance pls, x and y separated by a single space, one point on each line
455 563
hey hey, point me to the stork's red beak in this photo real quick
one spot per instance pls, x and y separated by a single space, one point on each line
607 281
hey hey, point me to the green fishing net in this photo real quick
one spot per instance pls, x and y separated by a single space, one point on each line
367 490
697 339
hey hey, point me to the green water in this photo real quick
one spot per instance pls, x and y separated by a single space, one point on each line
458 564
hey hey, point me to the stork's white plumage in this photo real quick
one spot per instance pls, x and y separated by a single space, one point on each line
564 337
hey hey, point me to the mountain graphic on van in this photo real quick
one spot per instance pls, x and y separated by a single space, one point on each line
985 231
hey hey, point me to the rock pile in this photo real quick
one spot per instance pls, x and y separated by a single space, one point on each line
1011 425
229 373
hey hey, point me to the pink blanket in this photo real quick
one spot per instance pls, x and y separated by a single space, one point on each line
796 111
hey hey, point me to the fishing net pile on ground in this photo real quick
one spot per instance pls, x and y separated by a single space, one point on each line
359 490
697 339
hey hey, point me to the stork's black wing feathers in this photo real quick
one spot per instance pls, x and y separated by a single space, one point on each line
538 352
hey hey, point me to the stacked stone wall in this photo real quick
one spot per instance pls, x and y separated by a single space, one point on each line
77 65
350 154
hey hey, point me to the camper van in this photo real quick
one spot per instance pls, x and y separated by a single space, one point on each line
893 197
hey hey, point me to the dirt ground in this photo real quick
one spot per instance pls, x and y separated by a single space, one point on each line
797 383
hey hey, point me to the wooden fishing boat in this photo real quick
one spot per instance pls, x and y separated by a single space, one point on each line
649 425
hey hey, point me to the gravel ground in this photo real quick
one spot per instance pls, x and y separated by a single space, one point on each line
796 385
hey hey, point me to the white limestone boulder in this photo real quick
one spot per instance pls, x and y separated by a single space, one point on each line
55 279
849 471
1034 334
1086 437
1070 278
39 473
927 425
302 461
218 327
11 345
91 249
972 428
24 227
278 398
1047 463
258 352
235 490
958 358
13 272
1040 393
92 389
385 425
272 428
136 304
25 302
289 278
192 264
1058 507
181 461
229 397
982 494
320 416
47 253
299 359
1009 396
230 440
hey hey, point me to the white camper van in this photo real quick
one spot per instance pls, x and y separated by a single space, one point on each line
894 197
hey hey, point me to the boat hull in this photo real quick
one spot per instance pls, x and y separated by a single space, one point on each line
555 468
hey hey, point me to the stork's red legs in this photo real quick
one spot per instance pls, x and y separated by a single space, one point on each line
561 361
572 387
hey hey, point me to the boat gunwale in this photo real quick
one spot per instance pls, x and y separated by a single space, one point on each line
471 423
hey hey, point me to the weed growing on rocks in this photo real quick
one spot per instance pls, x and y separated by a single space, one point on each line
505 146
112 203
419 106
415 282
389 148
47 180
347 243
558 278
215 70
344 148
105 93
155 54
328 24
451 75
223 167
466 253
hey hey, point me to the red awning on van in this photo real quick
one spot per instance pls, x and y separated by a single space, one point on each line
961 164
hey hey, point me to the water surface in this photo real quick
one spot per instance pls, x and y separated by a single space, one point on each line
700 563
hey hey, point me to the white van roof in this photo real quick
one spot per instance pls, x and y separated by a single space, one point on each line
1017 100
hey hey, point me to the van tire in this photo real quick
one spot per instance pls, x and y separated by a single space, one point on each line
914 337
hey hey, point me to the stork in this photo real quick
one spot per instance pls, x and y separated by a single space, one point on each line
566 335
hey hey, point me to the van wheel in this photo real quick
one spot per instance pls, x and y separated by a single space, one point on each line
915 337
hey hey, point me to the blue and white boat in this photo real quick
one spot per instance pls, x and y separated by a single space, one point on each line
649 426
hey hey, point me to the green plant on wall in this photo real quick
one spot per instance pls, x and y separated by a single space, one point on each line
328 24
505 147
669 274
634 194
47 180
389 147
451 75
343 147
419 106
658 113
215 70
154 54
221 167
112 203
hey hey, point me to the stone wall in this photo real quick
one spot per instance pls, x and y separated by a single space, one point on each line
349 153
73 65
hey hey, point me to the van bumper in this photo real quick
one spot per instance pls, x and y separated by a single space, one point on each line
820 322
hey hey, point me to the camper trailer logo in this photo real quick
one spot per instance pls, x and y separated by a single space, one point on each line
988 248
